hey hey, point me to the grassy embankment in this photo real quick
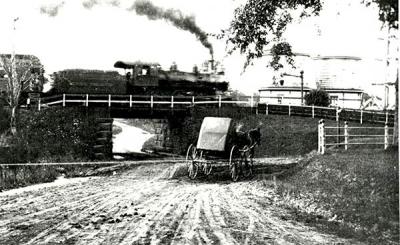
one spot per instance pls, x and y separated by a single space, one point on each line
47 136
353 194
281 135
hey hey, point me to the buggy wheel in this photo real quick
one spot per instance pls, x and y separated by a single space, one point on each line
247 162
191 157
234 161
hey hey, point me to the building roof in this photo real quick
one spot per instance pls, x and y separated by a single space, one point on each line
267 52
336 57
284 88
340 90
296 88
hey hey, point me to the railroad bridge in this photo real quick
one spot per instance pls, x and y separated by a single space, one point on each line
163 113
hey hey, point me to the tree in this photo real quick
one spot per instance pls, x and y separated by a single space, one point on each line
19 78
260 23
388 11
317 97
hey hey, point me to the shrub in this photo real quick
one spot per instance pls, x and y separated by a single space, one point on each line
52 135
317 97
4 119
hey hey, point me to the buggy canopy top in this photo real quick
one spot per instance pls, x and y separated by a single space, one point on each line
213 133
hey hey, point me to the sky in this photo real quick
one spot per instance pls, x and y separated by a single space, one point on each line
94 34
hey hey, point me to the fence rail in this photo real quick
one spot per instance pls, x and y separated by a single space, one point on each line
334 139
333 113
151 102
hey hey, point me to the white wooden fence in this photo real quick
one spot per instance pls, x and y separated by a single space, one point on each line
328 139
135 100
180 102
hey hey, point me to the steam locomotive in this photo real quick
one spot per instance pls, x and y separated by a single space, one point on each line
140 78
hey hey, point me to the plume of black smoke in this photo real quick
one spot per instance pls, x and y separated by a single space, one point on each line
89 3
51 10
114 3
175 17
146 8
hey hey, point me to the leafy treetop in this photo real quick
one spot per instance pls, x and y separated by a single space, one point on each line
388 11
259 23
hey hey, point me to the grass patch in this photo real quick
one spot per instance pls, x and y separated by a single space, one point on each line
353 193
281 135
19 176
15 176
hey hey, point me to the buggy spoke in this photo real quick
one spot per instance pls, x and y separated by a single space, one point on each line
191 157
233 162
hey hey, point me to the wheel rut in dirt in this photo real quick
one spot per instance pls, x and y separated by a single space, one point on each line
141 206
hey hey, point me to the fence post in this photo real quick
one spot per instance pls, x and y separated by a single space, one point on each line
219 101
39 105
251 101
346 135
386 136
337 114
387 117
109 100
63 102
172 101
313 113
266 109
321 137
361 117
130 100
193 100
87 100
151 101
289 110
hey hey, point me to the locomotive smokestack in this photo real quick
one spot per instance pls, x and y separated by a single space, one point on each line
211 62
173 16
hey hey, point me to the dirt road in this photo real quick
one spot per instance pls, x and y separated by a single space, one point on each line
141 206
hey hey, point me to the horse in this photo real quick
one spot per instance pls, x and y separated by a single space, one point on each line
247 141
249 138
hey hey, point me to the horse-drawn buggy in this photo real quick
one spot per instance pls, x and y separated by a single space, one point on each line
221 141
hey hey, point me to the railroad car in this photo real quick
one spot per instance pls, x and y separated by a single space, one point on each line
139 78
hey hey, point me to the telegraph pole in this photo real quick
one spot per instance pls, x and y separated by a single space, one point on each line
302 86
14 82
14 68
301 82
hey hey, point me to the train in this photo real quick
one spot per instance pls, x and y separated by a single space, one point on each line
140 78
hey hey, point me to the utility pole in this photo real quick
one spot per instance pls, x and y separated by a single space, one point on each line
302 86
14 83
301 82
14 68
